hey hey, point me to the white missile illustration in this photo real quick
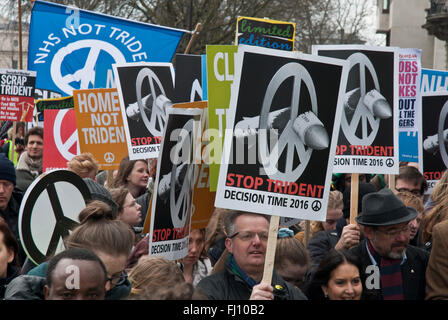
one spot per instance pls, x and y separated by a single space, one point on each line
307 126
431 143
165 182
377 104
373 100
162 103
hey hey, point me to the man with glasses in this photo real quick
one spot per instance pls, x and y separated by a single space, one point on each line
394 270
247 236
411 180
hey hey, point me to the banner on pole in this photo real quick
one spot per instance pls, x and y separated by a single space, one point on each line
73 49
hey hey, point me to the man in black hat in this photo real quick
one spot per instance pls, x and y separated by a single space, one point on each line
394 270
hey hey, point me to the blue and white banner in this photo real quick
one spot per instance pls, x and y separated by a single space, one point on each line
75 49
411 144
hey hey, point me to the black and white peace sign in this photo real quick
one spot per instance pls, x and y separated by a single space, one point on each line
441 135
157 120
288 140
49 211
316 205
362 119
389 162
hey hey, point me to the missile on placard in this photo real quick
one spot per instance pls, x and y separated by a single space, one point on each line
165 182
377 104
248 126
351 100
162 102
431 143
311 131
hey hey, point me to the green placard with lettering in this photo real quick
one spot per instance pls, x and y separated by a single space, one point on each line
220 74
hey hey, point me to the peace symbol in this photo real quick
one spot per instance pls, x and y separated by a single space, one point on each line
86 75
64 147
49 195
288 139
109 157
180 202
362 115
316 205
158 116
389 162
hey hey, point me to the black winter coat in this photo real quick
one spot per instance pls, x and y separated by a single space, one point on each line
413 272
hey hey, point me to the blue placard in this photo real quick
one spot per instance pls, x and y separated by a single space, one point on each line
75 49
430 81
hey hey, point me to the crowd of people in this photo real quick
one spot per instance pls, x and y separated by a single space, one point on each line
394 250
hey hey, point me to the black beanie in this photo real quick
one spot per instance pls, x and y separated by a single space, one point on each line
7 171
99 192
364 188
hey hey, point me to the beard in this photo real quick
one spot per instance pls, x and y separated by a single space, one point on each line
396 254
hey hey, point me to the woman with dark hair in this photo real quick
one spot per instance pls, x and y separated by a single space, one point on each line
128 209
9 268
133 175
338 277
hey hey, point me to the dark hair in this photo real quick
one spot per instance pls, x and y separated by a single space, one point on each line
74 254
332 260
229 222
119 196
10 241
99 231
124 170
410 173
34 131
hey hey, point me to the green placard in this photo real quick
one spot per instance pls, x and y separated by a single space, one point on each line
220 75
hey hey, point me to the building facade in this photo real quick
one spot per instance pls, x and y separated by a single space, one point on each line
9 48
402 22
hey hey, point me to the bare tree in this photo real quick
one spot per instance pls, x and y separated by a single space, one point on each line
317 21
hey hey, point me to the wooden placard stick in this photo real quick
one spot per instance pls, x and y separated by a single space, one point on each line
354 191
193 37
110 178
306 237
13 140
392 182
270 250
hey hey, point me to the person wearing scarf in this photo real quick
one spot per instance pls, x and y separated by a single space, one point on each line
394 270
241 277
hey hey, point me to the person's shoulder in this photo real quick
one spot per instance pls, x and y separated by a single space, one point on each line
416 252
25 287
441 228
293 293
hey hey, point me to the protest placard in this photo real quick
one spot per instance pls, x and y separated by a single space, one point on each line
204 199
273 34
17 95
60 139
220 75
368 142
146 90
409 102
278 153
434 136
100 126
52 104
171 204
188 82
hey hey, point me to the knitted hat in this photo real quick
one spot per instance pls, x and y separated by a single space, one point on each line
7 171
99 192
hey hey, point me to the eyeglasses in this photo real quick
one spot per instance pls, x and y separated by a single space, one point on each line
249 235
118 279
413 191
395 233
